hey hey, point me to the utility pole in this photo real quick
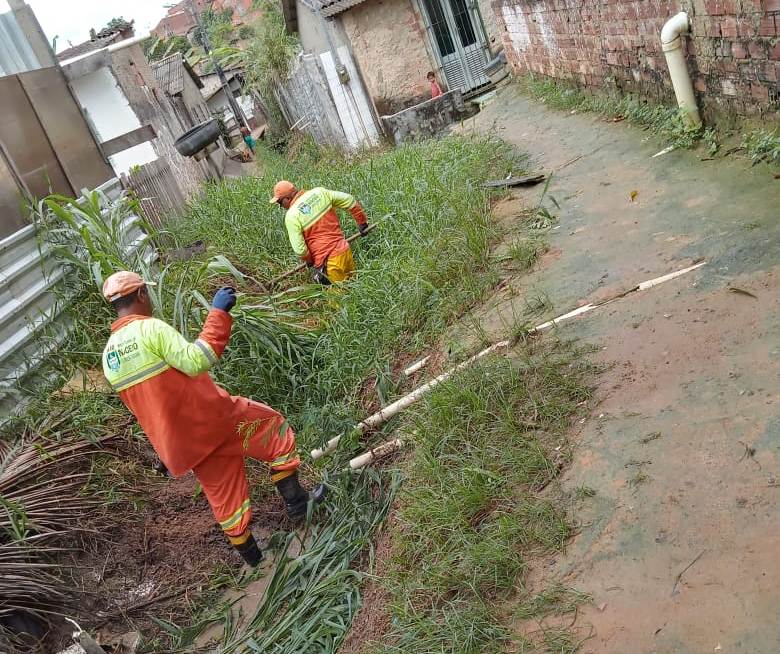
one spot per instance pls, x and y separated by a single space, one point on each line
204 41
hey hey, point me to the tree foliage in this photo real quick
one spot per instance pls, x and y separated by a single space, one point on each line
265 58
156 48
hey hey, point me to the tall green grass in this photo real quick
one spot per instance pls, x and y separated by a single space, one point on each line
469 514
417 270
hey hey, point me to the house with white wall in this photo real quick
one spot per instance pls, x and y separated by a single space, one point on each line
132 115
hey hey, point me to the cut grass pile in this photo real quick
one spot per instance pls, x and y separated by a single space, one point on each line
470 514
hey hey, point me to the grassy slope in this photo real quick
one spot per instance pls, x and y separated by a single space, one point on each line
485 441
422 265
470 513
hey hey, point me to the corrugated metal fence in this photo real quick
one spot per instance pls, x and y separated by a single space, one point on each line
32 300
16 54
315 100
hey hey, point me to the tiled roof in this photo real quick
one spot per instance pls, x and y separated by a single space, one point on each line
337 6
88 46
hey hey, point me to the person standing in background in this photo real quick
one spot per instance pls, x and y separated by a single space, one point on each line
435 88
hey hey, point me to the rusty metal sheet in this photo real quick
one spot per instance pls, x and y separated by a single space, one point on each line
66 129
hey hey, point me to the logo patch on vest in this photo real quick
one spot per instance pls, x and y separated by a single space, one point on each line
112 360
305 209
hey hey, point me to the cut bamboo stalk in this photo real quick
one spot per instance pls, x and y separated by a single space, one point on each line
383 415
417 366
367 458
665 278
566 316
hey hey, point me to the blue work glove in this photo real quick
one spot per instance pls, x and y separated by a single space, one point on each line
224 298
363 229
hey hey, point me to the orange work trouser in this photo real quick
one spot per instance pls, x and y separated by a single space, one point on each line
264 435
341 266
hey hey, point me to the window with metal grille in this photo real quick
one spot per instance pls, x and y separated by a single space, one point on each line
439 27
463 22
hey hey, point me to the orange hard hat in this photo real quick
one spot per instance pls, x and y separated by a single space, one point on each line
123 283
282 189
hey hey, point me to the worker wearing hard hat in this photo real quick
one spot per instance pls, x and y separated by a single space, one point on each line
314 230
192 423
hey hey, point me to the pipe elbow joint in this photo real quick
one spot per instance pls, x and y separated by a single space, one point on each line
672 29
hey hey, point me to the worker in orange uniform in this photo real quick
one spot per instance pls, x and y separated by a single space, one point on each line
314 230
192 423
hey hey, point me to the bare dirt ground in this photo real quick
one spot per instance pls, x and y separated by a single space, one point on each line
158 555
678 546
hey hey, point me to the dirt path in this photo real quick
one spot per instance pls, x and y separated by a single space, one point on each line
679 545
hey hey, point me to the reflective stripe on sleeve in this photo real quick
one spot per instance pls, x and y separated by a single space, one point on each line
141 375
207 350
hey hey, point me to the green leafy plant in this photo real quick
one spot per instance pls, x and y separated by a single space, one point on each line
671 123
94 234
762 145
265 56
157 48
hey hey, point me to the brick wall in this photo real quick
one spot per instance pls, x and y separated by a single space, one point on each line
733 50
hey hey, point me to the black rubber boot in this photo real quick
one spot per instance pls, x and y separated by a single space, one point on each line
250 552
296 498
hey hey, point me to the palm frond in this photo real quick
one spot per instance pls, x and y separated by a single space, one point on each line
41 505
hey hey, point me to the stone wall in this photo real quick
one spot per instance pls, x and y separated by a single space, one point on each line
388 41
733 50
427 119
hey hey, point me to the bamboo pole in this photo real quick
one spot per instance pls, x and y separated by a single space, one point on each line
383 415
367 458
417 366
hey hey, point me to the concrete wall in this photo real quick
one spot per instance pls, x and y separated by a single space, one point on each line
733 53
389 42
110 113
425 120
310 31
493 29
150 104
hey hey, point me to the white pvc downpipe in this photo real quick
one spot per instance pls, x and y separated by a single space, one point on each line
672 45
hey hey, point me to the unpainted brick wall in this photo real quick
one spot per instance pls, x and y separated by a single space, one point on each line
733 50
